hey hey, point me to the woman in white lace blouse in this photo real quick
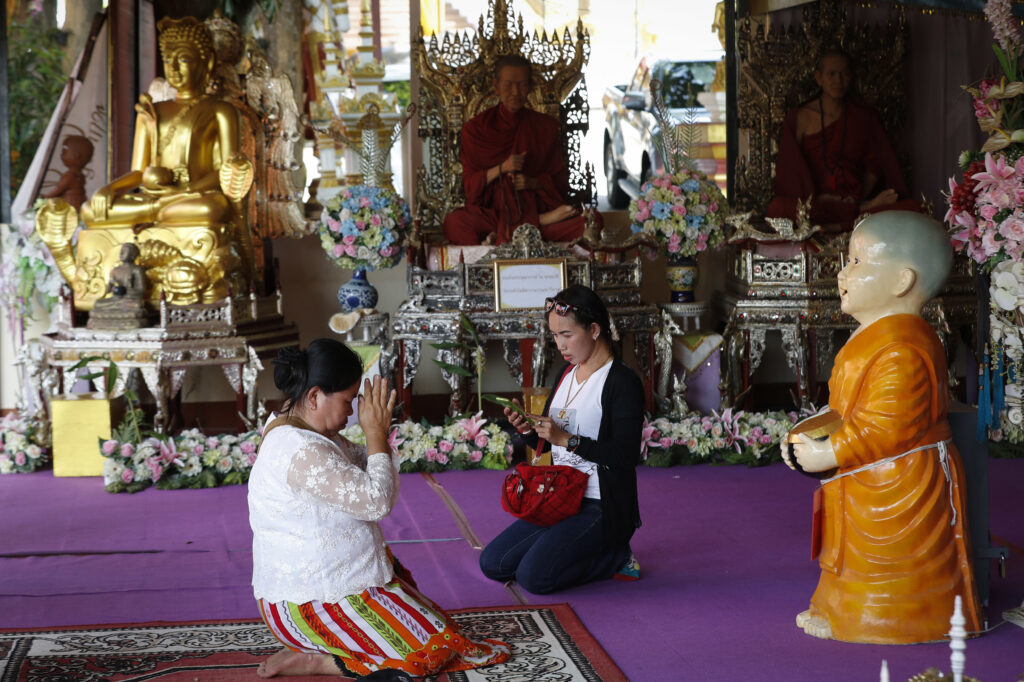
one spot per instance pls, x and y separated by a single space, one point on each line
327 585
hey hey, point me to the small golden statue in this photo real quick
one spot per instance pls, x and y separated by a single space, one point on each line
183 199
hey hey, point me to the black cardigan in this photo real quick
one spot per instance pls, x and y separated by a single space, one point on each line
616 450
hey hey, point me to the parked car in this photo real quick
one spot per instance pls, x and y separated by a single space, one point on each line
631 152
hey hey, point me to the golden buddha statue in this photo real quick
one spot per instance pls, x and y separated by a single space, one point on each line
182 202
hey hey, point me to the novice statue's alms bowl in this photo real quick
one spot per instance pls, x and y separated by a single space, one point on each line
818 427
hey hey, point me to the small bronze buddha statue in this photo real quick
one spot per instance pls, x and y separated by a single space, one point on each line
124 307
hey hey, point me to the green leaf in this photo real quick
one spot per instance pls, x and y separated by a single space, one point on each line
454 369
468 326
1003 62
505 402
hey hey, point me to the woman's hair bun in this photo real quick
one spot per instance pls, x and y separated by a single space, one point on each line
291 357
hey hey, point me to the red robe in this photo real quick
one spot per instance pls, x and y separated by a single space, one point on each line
801 170
894 545
487 140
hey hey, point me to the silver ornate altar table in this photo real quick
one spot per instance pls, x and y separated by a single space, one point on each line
437 298
791 288
233 335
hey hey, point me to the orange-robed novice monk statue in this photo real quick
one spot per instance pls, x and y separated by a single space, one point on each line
834 151
513 168
894 549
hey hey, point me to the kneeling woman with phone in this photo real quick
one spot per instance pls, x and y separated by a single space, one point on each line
593 421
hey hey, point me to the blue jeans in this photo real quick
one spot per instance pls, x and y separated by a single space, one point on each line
547 559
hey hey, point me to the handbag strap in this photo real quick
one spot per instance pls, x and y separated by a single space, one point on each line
540 441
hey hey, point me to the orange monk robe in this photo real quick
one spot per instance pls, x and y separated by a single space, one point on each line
894 552
488 139
803 169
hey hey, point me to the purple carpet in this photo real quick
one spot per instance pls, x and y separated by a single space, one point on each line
723 551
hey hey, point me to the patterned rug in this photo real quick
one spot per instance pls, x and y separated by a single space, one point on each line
549 643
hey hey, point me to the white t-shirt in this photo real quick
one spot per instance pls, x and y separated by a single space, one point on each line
577 409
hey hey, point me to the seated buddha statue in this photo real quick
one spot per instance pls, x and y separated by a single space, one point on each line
123 308
834 151
183 194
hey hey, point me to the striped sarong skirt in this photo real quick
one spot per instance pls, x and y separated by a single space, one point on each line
389 627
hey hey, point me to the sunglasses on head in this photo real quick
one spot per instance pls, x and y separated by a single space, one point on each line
561 308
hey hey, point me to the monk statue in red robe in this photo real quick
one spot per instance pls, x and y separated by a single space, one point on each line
513 168
835 152
892 531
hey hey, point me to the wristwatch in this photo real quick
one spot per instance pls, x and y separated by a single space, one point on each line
574 442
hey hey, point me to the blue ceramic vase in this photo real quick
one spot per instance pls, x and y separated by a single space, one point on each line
357 293
682 278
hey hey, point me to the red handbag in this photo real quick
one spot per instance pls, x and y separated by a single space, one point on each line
543 495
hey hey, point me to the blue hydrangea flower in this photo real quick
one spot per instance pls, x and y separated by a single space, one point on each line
694 220
660 210
690 185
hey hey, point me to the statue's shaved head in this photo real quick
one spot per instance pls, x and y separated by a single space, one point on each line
912 240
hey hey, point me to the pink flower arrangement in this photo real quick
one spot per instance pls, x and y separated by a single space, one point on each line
681 211
24 443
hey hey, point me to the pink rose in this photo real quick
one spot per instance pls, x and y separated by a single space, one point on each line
333 225
990 245
127 450
676 190
248 447
442 458
375 220
765 439
643 214
338 250
476 456
127 475
19 459
251 459
1013 228
445 446
713 206
350 239
665 442
197 449
481 440
109 447
346 193
431 454
679 209
364 202
351 250
988 211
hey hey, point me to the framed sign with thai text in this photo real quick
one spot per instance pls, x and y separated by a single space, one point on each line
524 284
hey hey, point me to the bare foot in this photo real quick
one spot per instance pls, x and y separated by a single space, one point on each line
287 662
557 215
815 626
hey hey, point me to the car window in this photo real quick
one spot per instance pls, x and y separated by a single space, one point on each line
682 81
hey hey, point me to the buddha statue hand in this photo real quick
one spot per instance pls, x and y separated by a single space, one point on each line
56 222
158 180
